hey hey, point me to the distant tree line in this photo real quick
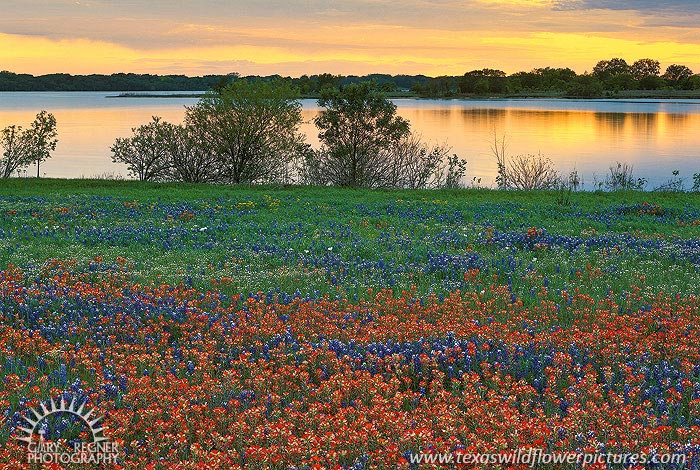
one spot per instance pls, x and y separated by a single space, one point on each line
306 84
116 82
608 77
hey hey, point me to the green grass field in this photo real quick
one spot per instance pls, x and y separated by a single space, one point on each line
341 241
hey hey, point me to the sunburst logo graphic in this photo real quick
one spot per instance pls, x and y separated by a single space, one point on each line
53 408
100 450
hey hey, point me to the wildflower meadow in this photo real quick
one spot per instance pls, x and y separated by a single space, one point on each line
319 328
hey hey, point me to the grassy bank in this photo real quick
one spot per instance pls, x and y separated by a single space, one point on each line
333 241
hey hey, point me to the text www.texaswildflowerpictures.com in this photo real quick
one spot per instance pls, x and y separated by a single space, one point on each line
533 457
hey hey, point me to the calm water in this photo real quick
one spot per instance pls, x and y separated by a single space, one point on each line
656 137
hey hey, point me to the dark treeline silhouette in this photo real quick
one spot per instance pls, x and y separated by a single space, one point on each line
608 78
116 82
308 85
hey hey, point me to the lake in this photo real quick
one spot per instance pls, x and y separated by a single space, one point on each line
655 136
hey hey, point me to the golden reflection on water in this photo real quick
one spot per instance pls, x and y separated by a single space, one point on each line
86 135
590 141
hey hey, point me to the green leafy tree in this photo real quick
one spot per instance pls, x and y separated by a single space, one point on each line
146 152
677 73
43 138
623 81
585 86
22 147
253 129
483 81
439 87
694 82
528 80
651 82
606 69
481 86
554 78
357 128
643 68
15 150
189 158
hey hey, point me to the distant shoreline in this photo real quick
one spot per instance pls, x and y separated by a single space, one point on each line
624 95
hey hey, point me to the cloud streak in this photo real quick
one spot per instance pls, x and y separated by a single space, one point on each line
310 36
680 6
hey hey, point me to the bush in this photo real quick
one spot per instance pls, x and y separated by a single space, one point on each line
622 177
523 172
145 152
413 164
675 184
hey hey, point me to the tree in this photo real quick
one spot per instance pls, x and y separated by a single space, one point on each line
252 127
437 87
585 86
189 159
528 80
694 82
623 81
677 73
22 147
605 69
483 81
145 153
42 139
357 128
651 82
487 73
15 150
643 68
481 86
554 78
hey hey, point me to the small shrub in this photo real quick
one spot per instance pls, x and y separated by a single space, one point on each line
622 177
676 184
696 182
456 169
523 172
567 187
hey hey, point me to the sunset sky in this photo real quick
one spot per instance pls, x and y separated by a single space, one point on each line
433 37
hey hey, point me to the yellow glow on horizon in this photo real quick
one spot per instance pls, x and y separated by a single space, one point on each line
563 45
366 48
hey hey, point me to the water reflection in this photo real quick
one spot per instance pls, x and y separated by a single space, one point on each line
656 138
614 123
585 140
